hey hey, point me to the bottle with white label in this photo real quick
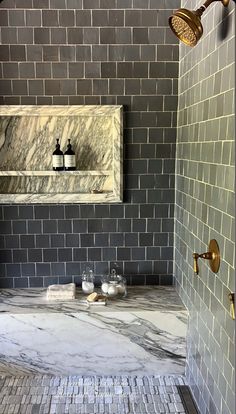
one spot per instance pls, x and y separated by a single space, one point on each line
57 158
69 158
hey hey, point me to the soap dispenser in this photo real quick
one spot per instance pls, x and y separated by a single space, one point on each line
57 158
69 156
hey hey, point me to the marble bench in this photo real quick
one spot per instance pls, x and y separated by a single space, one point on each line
142 334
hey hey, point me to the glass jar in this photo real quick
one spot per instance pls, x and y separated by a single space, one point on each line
88 281
114 285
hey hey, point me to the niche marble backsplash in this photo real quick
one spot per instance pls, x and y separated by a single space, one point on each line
27 140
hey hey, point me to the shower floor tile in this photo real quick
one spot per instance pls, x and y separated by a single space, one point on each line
43 394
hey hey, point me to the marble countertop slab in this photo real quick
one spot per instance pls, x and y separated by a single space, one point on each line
142 334
139 298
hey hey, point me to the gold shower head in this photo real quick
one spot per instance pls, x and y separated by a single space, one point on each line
186 24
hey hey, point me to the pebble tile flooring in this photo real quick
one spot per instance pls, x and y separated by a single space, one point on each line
44 394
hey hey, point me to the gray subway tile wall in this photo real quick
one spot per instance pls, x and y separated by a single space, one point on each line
205 207
95 52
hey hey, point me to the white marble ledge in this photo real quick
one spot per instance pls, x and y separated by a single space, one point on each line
60 110
143 334
139 298
54 173
62 198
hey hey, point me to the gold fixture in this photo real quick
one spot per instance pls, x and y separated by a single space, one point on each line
232 307
186 24
213 255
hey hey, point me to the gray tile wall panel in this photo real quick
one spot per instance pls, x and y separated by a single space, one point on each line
95 52
205 206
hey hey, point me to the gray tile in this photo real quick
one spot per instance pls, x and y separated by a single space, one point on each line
66 18
84 86
16 18
10 70
50 53
4 17
99 53
83 53
41 36
17 53
83 18
58 4
33 18
6 283
42 269
108 70
58 35
43 70
52 87
58 269
34 53
25 35
140 35
123 35
107 36
99 18
67 53
8 36
76 70
116 18
133 18
75 35
50 18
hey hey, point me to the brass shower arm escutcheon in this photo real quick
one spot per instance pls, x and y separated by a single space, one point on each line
207 3
213 255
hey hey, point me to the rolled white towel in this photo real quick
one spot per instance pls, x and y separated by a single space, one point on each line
61 292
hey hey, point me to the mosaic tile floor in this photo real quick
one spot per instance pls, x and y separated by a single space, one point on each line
44 394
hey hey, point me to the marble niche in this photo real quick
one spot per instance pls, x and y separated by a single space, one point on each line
27 140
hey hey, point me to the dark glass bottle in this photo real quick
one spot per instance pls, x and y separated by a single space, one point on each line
57 158
69 157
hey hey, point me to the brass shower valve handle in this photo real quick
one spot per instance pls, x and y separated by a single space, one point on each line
213 255
196 256
232 306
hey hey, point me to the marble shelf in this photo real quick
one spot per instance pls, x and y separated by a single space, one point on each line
27 140
62 198
56 173
142 334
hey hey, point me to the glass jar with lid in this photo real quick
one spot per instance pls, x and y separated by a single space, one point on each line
88 281
114 285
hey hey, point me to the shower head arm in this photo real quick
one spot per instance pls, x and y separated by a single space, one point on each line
207 3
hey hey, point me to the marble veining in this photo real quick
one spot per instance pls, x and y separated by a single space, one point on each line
142 334
27 139
139 298
27 142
